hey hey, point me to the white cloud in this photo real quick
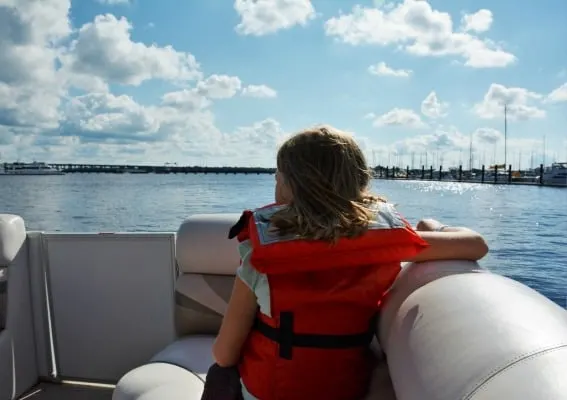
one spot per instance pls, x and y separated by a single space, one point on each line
188 99
104 52
558 95
263 17
113 2
183 121
44 116
29 34
219 86
420 30
61 90
480 21
259 91
487 136
519 103
104 117
382 69
398 117
431 106
259 137
441 140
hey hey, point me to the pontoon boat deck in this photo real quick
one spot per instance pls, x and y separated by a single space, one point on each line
140 311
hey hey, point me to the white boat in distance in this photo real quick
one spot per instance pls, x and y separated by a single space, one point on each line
556 174
34 168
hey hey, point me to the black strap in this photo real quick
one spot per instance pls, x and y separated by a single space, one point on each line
287 339
239 226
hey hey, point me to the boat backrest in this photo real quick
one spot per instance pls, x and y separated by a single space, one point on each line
18 367
453 331
207 262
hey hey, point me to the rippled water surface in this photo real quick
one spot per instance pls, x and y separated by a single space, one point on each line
526 227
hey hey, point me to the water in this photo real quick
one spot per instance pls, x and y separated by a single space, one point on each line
524 226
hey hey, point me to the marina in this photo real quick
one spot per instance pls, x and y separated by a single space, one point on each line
552 175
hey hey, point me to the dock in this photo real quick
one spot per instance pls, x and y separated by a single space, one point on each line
156 169
483 175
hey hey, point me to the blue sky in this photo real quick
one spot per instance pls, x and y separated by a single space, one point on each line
224 82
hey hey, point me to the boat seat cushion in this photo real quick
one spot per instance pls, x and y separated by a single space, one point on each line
177 372
12 237
200 303
202 245
454 331
207 262
193 353
159 381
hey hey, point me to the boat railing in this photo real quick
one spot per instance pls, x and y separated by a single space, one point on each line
88 306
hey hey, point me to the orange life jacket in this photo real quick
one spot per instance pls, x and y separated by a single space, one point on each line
323 299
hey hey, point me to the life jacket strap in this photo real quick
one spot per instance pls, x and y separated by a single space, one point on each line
240 225
287 339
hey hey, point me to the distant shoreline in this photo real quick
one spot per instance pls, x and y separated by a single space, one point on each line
480 176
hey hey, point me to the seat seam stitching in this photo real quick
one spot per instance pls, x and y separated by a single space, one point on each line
511 364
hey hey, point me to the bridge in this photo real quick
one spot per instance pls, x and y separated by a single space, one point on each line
157 169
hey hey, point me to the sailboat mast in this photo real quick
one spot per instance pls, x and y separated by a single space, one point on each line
470 154
544 150
505 135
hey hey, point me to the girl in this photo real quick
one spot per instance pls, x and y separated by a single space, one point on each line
314 268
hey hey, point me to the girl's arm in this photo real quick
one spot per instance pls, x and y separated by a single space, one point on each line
236 325
449 243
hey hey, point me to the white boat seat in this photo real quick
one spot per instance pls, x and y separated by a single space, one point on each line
193 353
450 330
207 263
176 373
203 288
18 368
159 381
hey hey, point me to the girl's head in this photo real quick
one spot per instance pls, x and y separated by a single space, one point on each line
323 176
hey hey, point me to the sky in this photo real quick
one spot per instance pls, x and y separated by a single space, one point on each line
224 82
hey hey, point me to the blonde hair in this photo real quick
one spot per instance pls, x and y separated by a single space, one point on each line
327 174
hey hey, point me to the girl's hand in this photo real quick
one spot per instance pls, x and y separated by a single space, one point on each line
429 225
451 243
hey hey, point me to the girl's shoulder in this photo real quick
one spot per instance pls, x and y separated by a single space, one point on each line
246 272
